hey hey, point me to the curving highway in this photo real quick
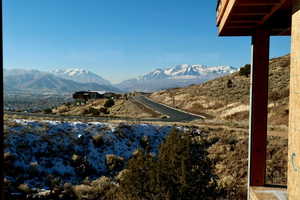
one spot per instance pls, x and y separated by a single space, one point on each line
174 115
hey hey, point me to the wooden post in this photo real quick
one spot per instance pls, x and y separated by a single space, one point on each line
258 108
294 109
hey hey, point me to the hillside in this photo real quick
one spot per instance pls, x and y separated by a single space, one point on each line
228 97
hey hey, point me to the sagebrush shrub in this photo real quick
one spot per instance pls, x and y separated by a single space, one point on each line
109 103
246 70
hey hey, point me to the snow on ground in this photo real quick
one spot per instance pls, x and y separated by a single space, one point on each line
71 151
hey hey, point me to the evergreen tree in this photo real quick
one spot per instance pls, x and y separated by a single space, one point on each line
109 103
185 169
246 70
181 171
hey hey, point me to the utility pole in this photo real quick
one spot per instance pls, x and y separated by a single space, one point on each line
172 96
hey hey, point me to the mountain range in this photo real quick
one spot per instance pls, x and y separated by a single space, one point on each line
176 76
66 81
34 81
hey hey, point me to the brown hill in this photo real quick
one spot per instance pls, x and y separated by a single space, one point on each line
228 97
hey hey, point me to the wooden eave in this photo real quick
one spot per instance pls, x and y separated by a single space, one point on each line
243 17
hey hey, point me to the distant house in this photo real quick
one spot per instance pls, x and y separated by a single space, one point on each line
86 95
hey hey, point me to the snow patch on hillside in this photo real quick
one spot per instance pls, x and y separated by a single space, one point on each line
47 148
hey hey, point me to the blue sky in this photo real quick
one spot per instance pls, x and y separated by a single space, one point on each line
120 39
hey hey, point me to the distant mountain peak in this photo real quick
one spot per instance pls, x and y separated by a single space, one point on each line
71 71
195 70
175 76
80 75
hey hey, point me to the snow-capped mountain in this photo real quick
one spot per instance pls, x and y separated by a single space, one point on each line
35 81
80 75
187 71
176 76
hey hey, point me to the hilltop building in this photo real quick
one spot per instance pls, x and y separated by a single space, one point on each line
87 95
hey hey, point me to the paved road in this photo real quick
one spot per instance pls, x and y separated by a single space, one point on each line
174 115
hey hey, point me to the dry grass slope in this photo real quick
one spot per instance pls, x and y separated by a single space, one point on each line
227 101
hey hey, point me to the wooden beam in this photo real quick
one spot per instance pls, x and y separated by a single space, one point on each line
250 31
221 10
258 108
249 14
258 2
280 20
248 17
253 9
242 26
229 8
274 9
285 31
294 108
234 32
242 21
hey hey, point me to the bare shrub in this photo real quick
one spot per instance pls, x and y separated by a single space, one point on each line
114 163
98 140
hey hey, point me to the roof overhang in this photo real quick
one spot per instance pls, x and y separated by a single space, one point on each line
243 17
